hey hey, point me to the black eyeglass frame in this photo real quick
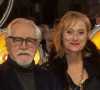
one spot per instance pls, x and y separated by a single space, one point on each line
22 40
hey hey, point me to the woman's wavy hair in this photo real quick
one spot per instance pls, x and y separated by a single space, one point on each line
69 20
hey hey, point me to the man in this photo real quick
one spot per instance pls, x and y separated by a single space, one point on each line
49 37
19 72
43 28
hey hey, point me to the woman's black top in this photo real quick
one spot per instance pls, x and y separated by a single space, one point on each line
60 66
92 83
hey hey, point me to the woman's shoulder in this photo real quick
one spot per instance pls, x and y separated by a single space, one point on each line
92 66
93 84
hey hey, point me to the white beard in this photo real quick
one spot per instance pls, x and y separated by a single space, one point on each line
24 60
21 63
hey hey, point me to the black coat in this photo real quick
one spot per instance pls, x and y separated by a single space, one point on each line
43 79
60 67
91 64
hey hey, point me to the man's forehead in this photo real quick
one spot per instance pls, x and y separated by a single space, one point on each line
16 25
25 30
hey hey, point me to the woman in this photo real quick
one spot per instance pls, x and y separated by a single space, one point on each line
75 59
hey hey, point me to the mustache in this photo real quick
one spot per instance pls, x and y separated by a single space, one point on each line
25 52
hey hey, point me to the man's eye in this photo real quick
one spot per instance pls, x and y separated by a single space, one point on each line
29 40
17 39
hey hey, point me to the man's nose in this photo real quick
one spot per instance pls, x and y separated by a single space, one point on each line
23 45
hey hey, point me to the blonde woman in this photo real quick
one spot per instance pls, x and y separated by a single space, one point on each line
75 60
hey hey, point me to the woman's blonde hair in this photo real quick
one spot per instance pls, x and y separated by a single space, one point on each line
69 20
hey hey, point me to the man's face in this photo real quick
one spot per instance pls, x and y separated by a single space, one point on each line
22 54
43 31
50 41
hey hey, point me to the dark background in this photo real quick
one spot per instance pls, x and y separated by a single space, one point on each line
46 11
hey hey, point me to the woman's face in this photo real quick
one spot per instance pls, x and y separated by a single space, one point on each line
74 38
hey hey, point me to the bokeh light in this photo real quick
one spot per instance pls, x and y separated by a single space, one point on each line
95 36
96 40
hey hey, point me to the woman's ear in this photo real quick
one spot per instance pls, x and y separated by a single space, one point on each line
89 34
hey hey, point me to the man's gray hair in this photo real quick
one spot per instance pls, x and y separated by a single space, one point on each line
49 31
23 21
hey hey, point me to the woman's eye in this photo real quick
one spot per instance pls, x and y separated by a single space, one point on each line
81 32
69 32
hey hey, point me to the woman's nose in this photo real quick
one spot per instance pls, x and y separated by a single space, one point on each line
75 36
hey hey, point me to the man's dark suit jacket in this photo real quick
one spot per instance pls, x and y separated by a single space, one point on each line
43 79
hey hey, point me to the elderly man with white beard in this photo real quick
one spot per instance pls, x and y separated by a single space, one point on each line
19 72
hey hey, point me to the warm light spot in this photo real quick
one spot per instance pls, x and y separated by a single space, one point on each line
3 51
95 36
37 57
96 40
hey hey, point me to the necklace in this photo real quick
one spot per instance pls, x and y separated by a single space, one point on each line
80 82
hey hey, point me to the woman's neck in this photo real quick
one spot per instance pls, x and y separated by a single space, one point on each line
74 58
75 68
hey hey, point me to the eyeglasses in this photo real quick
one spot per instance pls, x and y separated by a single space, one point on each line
30 42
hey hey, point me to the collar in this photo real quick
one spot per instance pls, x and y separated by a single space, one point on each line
20 68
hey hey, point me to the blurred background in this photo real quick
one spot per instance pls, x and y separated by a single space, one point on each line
46 11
